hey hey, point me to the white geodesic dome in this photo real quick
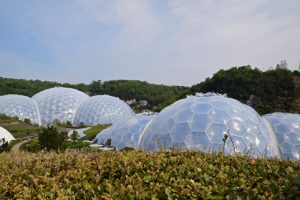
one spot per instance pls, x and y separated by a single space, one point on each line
20 106
287 131
58 104
126 133
4 134
102 109
200 122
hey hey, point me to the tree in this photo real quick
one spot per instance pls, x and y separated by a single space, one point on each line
51 139
74 135
283 64
27 121
3 145
68 124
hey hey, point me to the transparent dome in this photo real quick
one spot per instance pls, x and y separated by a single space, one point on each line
4 134
102 109
201 122
19 106
126 133
58 104
287 131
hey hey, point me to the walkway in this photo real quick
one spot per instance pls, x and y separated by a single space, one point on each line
16 148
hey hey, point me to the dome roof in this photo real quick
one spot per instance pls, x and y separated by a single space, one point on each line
126 133
200 122
20 106
6 135
58 104
287 131
102 109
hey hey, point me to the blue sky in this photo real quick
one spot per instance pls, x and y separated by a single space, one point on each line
173 42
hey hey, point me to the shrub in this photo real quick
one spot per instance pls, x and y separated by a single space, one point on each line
51 139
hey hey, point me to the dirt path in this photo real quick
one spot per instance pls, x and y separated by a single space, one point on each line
16 148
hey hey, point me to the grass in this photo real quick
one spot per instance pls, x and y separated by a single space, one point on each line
91 133
20 129
140 175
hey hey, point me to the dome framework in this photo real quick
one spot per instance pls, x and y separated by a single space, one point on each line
201 122
286 127
20 106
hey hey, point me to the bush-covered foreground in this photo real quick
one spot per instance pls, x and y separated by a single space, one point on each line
129 174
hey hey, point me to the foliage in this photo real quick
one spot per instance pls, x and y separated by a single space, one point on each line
134 174
274 89
76 145
32 146
3 145
51 138
91 133
74 135
157 96
18 128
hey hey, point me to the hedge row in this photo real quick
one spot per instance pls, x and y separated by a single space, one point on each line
134 174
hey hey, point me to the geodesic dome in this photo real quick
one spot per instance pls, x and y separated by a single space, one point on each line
102 109
200 122
58 104
126 133
20 106
287 131
4 134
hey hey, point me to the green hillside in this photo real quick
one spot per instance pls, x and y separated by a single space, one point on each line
275 90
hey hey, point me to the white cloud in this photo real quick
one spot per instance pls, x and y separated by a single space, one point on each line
173 42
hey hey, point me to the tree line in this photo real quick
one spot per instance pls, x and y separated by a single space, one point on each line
274 90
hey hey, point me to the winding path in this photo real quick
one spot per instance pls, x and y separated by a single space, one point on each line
16 148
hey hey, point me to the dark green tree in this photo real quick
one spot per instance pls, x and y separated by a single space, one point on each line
74 135
3 145
52 139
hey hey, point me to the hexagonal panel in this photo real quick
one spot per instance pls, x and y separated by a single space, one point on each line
236 127
180 132
200 122
215 132
201 108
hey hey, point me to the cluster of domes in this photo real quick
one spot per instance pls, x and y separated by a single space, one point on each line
65 105
209 123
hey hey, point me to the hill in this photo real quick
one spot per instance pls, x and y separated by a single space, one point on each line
18 128
142 95
274 90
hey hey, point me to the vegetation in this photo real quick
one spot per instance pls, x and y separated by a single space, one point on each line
51 138
91 133
157 96
274 89
134 174
3 145
18 128
76 145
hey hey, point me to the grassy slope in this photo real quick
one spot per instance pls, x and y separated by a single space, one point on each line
91 133
17 128
120 175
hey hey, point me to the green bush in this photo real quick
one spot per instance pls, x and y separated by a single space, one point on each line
140 175
52 139
76 145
